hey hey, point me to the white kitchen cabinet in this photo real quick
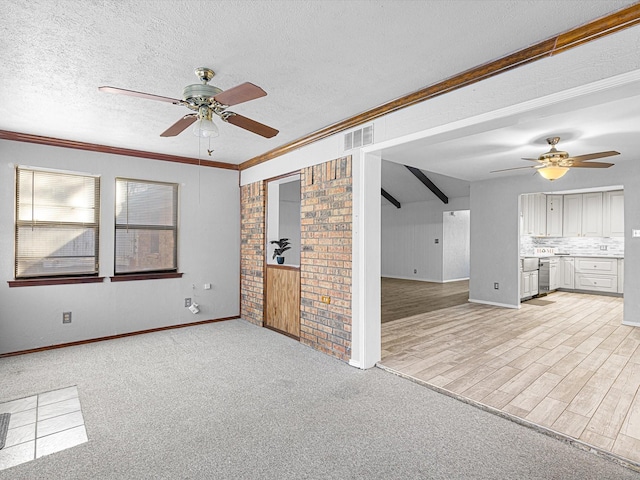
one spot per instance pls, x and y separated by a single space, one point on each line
554 215
572 215
566 272
582 215
596 274
553 274
596 283
528 284
604 266
613 214
592 214
534 214
534 282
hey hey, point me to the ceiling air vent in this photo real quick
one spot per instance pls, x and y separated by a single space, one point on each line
358 138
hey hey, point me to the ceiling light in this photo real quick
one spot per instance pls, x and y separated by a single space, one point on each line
204 126
553 172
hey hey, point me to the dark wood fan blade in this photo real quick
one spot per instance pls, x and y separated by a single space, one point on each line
251 125
239 94
516 168
132 93
591 165
593 156
180 125
531 159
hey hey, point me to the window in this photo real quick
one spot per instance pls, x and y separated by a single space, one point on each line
56 230
146 226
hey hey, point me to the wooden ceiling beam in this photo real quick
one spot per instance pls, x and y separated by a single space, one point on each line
428 183
390 197
612 23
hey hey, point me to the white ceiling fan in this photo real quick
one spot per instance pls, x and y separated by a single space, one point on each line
555 163
208 100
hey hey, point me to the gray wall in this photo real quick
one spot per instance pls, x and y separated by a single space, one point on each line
408 237
494 230
208 252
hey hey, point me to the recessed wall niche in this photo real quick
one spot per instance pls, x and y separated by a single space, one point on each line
283 218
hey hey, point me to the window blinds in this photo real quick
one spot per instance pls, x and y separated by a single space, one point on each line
146 226
57 223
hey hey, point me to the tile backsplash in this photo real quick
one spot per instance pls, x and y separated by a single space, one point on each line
574 245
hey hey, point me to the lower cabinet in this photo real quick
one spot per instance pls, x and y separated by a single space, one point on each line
596 274
528 284
566 272
554 282
596 283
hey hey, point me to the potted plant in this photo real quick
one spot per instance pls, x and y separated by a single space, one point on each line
283 246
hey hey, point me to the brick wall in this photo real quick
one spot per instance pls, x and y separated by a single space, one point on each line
252 211
325 260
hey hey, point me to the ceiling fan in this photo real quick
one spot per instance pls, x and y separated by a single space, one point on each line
555 163
208 100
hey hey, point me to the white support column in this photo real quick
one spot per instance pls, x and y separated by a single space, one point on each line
365 348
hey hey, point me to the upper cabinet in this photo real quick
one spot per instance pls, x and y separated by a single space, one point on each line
554 215
594 214
582 215
572 215
534 214
613 214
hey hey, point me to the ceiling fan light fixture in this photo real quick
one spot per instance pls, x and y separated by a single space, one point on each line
552 173
204 126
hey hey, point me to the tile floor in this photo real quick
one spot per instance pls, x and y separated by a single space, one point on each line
569 366
42 424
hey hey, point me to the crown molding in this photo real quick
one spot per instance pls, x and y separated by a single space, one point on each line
94 147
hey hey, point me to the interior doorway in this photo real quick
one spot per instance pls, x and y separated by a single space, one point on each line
282 262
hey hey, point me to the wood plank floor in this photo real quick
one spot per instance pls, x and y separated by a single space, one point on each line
406 298
569 366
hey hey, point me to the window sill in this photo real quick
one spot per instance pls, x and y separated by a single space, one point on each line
36 282
144 276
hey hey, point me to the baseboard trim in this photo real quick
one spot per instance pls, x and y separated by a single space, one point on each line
493 304
113 337
396 277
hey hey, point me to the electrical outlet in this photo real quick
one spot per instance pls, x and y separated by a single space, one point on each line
207 286
496 286
66 317
437 240
603 247
187 302
326 299
415 270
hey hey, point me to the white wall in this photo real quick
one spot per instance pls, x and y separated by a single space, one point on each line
208 252
408 237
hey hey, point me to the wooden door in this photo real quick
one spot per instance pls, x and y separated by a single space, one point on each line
282 310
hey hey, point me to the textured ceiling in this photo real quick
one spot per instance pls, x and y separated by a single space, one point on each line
319 61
